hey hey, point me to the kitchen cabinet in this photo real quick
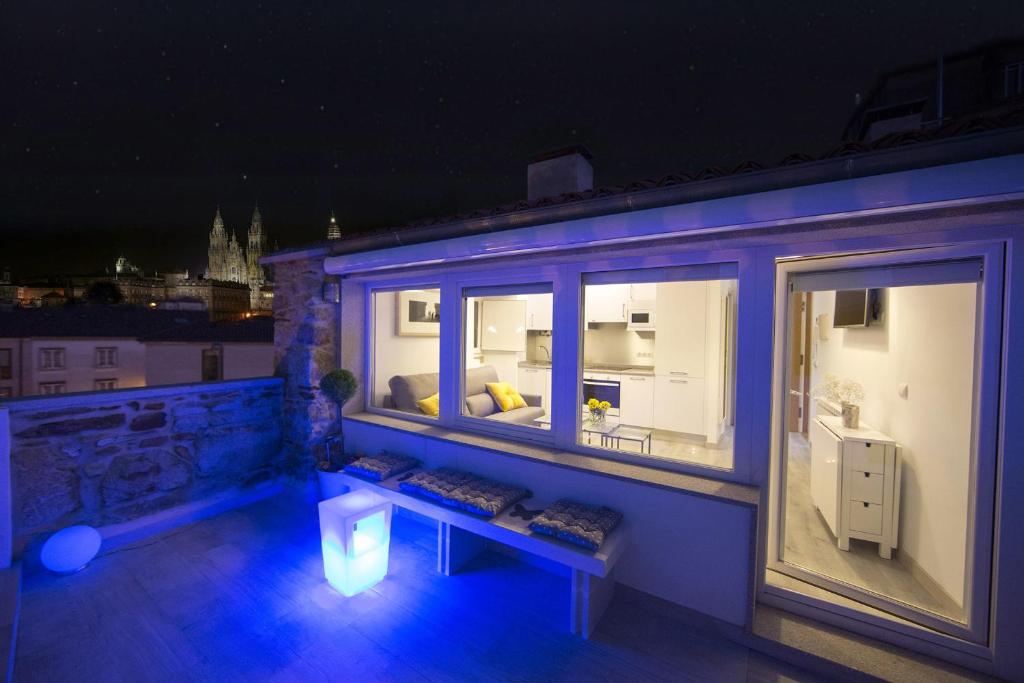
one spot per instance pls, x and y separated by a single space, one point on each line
537 381
644 292
679 404
605 303
681 315
855 482
539 311
503 325
636 407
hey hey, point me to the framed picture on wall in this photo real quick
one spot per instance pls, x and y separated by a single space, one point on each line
419 313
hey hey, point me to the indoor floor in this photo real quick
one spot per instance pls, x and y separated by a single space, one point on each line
242 597
810 544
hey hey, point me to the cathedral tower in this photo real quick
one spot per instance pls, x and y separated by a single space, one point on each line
217 255
255 275
333 229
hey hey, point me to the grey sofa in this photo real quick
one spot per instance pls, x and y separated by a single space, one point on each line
407 389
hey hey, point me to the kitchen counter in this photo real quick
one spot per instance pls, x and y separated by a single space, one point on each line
609 368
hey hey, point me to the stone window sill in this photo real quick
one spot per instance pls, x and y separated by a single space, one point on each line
675 481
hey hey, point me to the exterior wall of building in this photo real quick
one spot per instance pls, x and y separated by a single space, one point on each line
10 384
111 457
182 362
80 372
305 348
242 361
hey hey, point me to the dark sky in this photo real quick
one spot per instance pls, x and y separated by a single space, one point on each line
123 125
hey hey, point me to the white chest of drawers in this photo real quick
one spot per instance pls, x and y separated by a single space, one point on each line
855 482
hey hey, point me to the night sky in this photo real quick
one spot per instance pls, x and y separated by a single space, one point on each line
122 126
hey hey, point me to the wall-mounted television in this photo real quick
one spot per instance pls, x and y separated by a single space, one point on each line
855 308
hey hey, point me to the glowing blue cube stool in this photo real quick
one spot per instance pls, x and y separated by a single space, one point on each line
355 534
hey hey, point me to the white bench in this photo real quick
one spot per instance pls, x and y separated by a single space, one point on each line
462 535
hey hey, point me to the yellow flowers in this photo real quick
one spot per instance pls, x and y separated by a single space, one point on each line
604 405
594 404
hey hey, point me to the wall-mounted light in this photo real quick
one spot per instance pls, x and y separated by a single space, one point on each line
355 535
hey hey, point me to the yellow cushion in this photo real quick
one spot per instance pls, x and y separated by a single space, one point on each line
431 405
505 396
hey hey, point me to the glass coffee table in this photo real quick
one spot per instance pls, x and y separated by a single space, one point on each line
604 429
620 434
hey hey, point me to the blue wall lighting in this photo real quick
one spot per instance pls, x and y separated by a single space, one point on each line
355 534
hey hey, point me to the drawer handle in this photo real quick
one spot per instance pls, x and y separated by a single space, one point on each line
678 381
868 445
865 504
677 372
867 474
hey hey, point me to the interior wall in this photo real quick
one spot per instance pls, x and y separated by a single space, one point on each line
394 354
926 341
613 344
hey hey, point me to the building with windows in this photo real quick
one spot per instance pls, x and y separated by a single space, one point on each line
228 261
98 348
971 87
799 385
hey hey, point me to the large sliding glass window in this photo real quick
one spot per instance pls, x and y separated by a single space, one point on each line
506 371
878 494
659 363
406 350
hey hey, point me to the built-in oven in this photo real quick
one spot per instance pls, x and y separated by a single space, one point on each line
602 388
640 318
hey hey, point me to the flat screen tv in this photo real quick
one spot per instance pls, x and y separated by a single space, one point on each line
855 308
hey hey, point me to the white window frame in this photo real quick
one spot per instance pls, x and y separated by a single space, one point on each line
972 638
106 356
105 384
48 388
511 282
52 358
696 271
370 327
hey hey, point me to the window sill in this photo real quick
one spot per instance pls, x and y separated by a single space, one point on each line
676 481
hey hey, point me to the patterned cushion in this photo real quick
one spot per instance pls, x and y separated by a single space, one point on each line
584 525
464 490
381 466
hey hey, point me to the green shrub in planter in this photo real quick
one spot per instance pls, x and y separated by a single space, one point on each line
339 386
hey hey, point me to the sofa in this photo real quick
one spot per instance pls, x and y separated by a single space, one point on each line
407 389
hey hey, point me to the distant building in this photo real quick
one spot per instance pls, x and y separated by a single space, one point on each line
333 229
976 83
227 261
97 348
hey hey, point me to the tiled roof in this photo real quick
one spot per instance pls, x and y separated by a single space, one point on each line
966 126
130 323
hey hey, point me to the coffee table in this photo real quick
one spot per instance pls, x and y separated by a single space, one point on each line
640 436
605 429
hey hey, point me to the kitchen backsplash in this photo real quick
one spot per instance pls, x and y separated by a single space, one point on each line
615 345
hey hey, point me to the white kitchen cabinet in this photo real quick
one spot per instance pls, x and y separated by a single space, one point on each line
503 325
643 292
681 315
679 404
636 400
605 303
538 311
855 482
536 381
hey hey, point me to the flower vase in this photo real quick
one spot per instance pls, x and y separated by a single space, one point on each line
851 416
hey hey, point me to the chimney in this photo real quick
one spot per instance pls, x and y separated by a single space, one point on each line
559 172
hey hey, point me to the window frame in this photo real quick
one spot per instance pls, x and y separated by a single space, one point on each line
369 341
984 439
703 271
6 366
53 385
106 352
111 380
52 352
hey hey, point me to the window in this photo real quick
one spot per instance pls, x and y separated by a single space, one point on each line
6 392
51 359
105 384
882 481
47 388
1013 79
506 372
212 367
106 357
5 363
406 350
659 364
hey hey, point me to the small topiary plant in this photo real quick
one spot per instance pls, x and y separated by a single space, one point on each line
340 386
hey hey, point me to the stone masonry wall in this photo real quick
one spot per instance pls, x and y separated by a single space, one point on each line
305 349
108 457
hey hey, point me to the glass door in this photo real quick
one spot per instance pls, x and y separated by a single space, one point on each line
883 481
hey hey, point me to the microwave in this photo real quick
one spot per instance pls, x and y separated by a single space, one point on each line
640 318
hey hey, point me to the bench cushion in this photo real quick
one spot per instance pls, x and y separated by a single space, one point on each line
584 525
381 466
464 490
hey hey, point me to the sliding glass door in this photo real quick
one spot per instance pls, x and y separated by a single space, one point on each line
886 435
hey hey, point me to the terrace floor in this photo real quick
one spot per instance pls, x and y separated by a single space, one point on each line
242 597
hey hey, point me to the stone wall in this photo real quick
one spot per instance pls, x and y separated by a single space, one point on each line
107 457
305 349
